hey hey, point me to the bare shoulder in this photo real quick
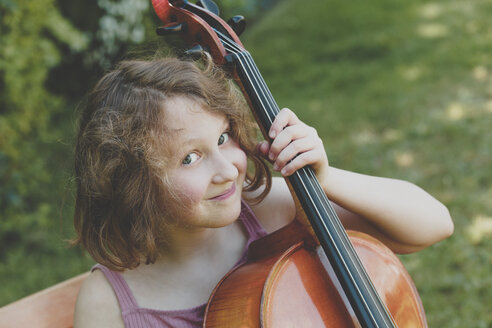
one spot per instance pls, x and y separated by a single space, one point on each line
97 305
277 209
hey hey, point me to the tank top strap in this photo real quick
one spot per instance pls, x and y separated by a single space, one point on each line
122 290
250 221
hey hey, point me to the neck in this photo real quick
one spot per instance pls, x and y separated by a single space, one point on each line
185 245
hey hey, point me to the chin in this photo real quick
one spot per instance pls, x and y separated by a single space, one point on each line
227 215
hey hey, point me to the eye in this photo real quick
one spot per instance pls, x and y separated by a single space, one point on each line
224 137
190 159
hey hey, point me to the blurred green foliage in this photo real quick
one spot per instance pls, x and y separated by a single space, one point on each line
30 33
395 88
34 38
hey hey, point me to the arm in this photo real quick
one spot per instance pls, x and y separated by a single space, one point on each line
398 213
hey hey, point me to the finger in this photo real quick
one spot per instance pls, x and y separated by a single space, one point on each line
286 136
263 148
299 162
284 118
291 151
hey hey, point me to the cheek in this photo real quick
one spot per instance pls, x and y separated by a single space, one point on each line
239 159
243 163
187 190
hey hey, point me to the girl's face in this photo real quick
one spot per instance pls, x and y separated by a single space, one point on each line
207 167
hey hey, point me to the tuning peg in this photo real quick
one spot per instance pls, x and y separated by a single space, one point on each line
209 5
171 28
237 23
195 52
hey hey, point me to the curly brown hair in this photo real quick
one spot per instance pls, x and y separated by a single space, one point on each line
119 165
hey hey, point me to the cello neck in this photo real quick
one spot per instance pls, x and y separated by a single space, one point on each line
363 297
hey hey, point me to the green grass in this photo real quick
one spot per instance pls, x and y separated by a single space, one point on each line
395 88
401 89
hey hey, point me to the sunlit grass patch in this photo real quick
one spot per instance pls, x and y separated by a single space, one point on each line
480 229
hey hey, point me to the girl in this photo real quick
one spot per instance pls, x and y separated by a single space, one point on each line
167 203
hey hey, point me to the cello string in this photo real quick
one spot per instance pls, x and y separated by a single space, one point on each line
330 209
241 53
245 56
248 63
350 251
320 192
337 222
246 60
316 186
325 204
345 242
321 200
243 61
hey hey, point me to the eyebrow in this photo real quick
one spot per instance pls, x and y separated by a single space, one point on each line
179 150
224 127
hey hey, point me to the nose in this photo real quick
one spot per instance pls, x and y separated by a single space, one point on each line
224 169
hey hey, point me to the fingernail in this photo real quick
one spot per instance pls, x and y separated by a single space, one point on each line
284 171
270 155
263 148
275 166
272 134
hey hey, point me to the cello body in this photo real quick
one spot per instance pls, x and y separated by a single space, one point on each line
288 282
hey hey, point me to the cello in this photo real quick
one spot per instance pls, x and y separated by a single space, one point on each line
314 275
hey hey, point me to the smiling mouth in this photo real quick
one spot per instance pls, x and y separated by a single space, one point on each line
228 193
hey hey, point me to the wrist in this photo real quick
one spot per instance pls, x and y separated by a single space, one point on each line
324 175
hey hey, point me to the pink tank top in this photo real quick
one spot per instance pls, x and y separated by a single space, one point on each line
137 317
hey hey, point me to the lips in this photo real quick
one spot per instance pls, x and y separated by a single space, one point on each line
228 193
